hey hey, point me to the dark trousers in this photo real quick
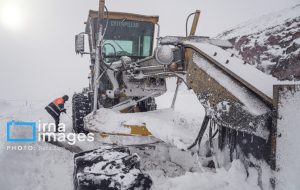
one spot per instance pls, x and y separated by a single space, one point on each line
55 117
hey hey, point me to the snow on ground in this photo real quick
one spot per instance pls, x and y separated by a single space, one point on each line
47 167
7 108
53 169
234 179
179 127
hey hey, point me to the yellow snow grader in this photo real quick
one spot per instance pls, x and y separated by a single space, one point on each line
129 66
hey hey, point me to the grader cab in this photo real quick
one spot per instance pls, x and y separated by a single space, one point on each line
124 34
125 38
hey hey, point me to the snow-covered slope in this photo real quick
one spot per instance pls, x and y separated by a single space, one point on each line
270 42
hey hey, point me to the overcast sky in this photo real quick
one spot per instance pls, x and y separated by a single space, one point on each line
37 58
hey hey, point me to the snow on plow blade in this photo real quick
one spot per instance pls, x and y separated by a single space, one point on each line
134 130
160 125
107 122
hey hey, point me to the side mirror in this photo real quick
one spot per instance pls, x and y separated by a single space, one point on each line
79 43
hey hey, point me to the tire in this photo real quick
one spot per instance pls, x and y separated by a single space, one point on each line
81 108
119 170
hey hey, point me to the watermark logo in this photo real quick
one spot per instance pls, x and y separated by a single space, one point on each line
13 124
17 131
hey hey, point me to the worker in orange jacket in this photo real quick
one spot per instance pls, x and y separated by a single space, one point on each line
56 107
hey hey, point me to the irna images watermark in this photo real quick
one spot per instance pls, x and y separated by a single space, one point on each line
32 132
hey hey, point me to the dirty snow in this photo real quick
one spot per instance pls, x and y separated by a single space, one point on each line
255 106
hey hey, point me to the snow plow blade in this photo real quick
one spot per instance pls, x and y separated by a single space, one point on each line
246 111
140 130
144 127
240 110
104 122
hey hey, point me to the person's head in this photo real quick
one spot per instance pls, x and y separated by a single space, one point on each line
65 97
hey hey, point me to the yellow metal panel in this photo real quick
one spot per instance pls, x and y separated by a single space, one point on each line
135 130
138 130
128 16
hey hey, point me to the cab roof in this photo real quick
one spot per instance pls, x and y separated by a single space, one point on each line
128 16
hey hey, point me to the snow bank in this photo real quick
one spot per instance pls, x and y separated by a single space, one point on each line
288 141
35 170
234 179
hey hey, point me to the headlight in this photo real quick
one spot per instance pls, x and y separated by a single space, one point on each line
164 55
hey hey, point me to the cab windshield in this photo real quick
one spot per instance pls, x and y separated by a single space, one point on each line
130 38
